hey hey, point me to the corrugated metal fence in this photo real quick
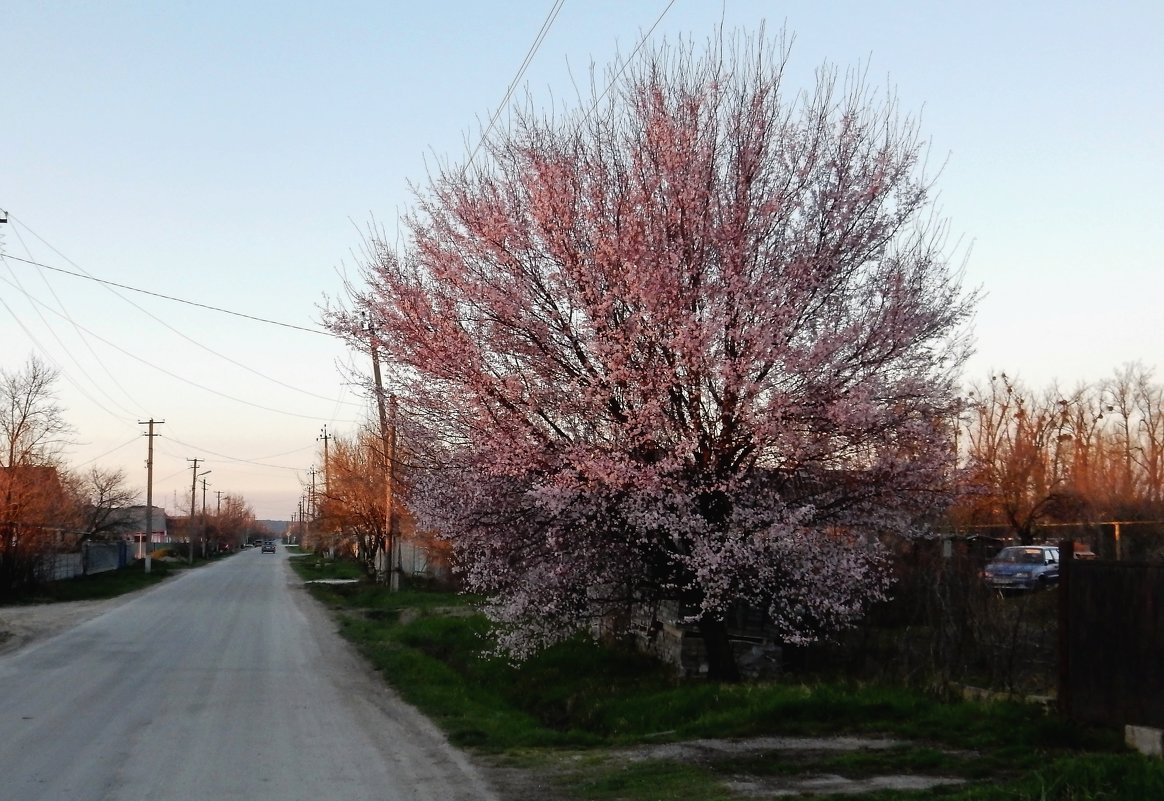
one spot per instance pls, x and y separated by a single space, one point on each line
94 557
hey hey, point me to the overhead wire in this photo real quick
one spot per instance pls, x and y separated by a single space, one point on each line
111 450
163 323
88 276
38 304
237 459
626 62
534 47
68 352
170 373
40 347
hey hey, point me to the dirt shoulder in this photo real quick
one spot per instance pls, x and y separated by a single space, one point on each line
22 625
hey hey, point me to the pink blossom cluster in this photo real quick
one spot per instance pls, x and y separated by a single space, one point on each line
700 346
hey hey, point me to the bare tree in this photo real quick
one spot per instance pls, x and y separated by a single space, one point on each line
233 520
1018 454
1149 400
1118 395
100 497
1094 454
32 423
32 495
354 502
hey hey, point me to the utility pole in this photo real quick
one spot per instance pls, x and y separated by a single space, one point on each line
312 504
312 510
393 534
326 474
202 538
324 436
386 438
193 489
149 532
218 515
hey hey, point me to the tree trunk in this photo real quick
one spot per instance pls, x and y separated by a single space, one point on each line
721 661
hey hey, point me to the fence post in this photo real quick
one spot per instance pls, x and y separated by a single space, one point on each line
1066 558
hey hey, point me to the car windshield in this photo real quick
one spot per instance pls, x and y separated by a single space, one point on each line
1023 556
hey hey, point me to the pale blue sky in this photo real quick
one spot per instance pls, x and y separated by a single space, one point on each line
229 153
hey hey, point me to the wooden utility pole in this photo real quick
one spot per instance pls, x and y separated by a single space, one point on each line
202 537
193 490
149 532
326 475
312 510
393 533
323 435
387 547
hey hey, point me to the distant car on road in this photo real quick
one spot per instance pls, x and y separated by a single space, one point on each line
268 546
1023 567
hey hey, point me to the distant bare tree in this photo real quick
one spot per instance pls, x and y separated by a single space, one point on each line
1018 454
32 495
100 496
1119 398
354 502
1085 443
1094 454
234 520
32 423
1149 399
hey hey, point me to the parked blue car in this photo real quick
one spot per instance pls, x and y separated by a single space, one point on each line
1023 567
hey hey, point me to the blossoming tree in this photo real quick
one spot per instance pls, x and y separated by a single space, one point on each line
695 343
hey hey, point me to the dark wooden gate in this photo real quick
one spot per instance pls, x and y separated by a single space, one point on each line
1111 624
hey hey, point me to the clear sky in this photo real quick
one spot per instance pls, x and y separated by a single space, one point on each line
230 153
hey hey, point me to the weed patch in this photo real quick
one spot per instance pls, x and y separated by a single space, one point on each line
573 713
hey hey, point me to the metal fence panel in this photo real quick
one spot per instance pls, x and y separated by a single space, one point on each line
58 566
104 556
1116 642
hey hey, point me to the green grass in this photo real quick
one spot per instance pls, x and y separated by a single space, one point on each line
99 586
311 567
653 779
568 713
108 584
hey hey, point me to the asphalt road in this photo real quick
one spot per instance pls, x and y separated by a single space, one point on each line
225 682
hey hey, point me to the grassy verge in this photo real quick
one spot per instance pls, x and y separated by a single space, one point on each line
598 721
100 586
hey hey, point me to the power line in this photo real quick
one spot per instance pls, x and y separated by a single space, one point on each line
553 14
537 43
111 450
166 297
236 458
628 60
46 352
85 274
68 352
189 339
170 373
